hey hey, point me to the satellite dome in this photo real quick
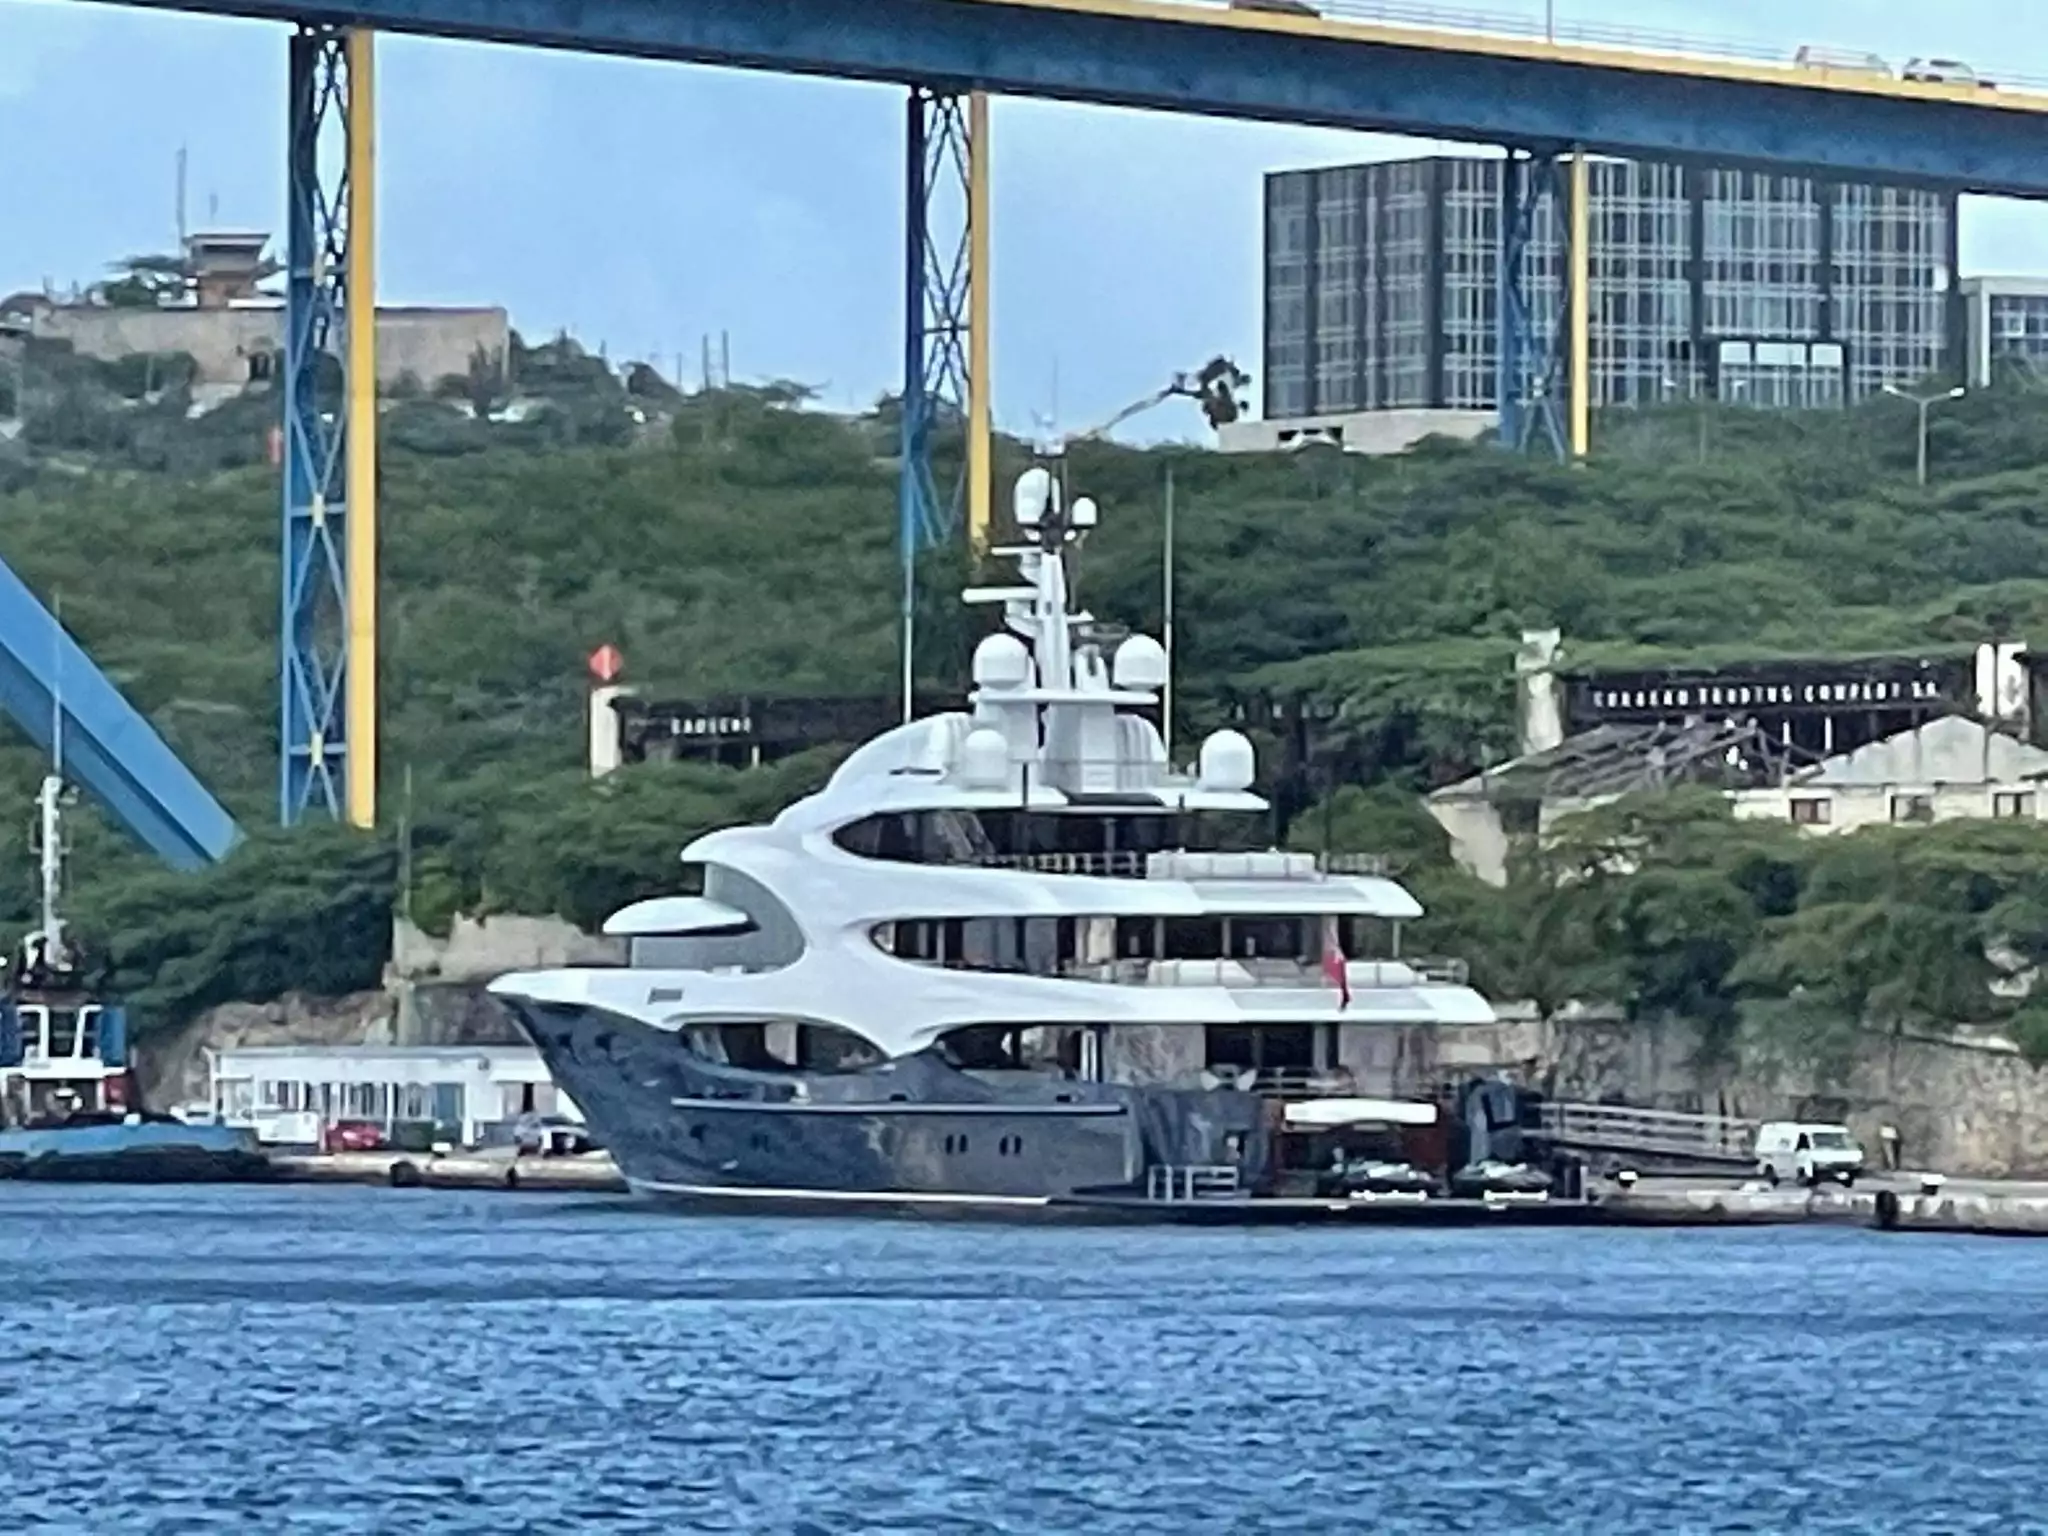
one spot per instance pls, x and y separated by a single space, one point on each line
1035 494
1001 661
1140 663
1227 762
984 759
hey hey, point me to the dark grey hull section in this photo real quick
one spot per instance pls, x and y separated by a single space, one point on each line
912 1136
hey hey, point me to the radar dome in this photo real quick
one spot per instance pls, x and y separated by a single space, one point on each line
984 759
1001 661
1083 514
1033 497
1227 762
1140 663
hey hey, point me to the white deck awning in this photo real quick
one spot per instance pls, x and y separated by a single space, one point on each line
1328 1114
668 917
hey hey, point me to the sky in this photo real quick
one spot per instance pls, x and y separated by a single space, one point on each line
645 206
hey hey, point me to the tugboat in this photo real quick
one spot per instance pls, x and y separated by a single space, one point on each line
69 1108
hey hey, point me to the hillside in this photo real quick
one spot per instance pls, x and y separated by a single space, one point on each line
735 542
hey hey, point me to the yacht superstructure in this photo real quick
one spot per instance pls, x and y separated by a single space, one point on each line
1005 956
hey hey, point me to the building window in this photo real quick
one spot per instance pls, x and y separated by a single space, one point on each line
1915 808
2013 805
1811 811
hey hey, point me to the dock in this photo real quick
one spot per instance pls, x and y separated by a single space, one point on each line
590 1172
1903 1203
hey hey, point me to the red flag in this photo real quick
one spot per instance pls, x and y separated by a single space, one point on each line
1337 970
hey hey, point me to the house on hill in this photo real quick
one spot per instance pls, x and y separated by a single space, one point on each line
1956 764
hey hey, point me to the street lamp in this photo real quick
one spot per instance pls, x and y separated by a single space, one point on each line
1926 403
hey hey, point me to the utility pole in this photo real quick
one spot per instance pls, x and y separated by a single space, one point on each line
1924 403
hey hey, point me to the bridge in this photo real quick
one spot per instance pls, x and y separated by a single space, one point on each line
1548 100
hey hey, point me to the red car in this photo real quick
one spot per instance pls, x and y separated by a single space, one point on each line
354 1136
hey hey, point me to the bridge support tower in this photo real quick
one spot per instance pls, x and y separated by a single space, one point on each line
946 437
1544 379
328 665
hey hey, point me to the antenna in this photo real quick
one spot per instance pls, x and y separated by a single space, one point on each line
181 200
57 683
1166 604
51 861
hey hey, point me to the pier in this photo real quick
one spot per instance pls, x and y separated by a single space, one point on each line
1902 1202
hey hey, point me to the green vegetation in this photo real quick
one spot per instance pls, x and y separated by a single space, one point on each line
733 541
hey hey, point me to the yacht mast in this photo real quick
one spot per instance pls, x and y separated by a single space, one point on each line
49 807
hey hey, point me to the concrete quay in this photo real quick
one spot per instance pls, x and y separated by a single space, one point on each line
590 1172
1902 1202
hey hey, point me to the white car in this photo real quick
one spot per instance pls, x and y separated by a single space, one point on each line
1807 1152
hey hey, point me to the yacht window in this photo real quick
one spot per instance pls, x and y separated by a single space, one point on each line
1011 1047
1370 938
781 1045
982 947
1263 1047
63 1033
957 836
1194 938
1268 938
828 1048
1137 938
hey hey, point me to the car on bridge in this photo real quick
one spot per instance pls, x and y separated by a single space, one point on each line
1946 72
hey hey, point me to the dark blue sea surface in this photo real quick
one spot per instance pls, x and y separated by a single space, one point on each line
307 1359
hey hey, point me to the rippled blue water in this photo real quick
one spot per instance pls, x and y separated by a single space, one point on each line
364 1360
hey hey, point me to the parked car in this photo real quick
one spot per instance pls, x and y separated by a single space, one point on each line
355 1136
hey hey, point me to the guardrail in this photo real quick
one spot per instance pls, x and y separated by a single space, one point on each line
1184 864
1299 1083
1531 27
1191 1181
1619 1128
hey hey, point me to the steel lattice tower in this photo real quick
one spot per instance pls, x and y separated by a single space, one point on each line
327 707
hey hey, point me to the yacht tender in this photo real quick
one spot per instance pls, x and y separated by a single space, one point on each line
1005 956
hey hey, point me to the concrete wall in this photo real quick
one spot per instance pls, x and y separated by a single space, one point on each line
478 950
1966 1104
429 344
1372 432
1849 809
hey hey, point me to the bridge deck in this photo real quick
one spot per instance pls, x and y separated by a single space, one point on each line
1456 32
1330 71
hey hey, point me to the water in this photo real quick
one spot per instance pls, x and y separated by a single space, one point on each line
304 1359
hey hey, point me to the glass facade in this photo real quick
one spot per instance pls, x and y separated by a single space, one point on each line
1382 286
2015 334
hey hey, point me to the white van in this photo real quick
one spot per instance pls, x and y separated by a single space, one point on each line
1807 1152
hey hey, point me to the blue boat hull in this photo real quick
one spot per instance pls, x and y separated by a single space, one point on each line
145 1153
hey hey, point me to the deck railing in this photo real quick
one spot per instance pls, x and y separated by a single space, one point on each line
1298 1083
1192 1181
1183 864
1662 1132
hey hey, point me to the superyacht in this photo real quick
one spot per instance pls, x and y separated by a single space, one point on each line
1007 958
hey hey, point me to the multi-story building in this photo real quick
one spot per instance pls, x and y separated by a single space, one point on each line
2008 327
1382 287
